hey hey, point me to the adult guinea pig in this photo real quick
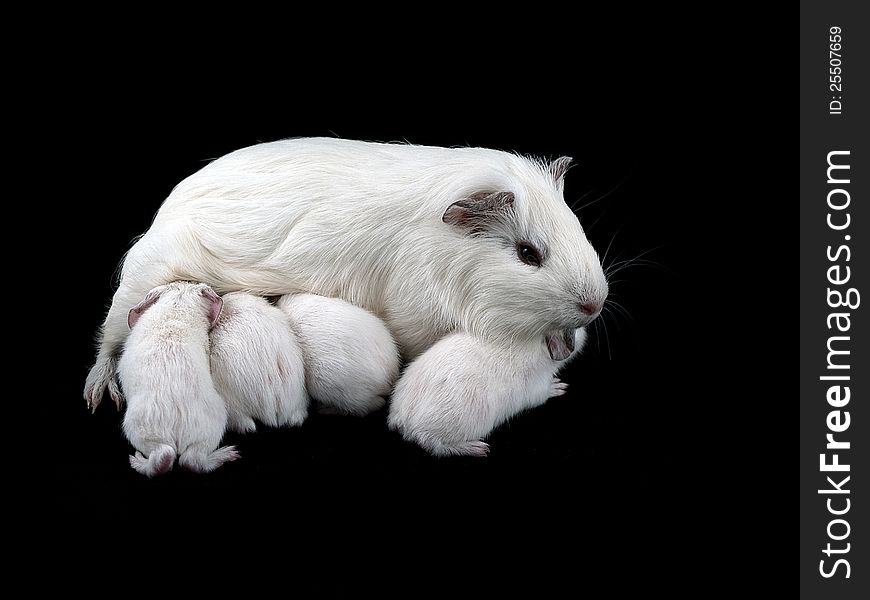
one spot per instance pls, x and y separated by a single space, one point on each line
432 240
257 365
351 360
173 408
462 388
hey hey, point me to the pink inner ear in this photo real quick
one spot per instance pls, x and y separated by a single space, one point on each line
558 168
475 211
133 317
138 310
457 215
215 305
560 344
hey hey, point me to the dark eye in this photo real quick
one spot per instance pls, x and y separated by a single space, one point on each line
529 254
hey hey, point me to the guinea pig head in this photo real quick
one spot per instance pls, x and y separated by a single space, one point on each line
529 267
180 294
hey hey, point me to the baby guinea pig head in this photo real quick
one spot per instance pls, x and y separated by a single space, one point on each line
180 295
528 267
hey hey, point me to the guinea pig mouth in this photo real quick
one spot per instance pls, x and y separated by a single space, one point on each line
560 344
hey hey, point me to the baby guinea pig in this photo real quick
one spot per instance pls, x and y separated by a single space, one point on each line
350 358
462 388
173 408
257 365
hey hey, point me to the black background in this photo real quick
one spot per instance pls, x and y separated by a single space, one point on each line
643 475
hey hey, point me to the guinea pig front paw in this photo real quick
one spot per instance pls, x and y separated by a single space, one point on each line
115 393
557 387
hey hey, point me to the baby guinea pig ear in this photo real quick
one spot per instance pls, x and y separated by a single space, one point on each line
560 344
138 310
215 305
476 211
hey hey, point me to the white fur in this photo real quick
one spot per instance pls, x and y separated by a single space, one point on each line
363 222
257 365
351 360
172 406
462 388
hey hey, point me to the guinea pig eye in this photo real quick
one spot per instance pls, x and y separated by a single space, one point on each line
529 254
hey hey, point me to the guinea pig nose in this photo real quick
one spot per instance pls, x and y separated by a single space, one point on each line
590 308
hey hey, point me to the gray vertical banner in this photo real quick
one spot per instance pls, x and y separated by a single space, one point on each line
834 300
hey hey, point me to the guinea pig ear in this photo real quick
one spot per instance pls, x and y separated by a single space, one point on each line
473 213
215 305
560 344
138 310
558 168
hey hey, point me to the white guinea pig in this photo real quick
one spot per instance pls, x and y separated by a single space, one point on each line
432 240
172 405
351 360
257 365
460 389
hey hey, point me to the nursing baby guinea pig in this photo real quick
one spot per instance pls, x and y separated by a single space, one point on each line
462 388
350 358
432 240
257 365
173 408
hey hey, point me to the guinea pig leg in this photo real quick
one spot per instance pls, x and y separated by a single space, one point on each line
291 398
198 459
241 424
431 435
159 461
291 415
540 391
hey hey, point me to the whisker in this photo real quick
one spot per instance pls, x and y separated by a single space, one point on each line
606 339
594 223
645 252
573 204
611 313
616 306
613 189
633 263
619 305
597 337
636 259
618 265
608 248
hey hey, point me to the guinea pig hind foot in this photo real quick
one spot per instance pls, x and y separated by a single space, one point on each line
159 462
469 448
198 461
